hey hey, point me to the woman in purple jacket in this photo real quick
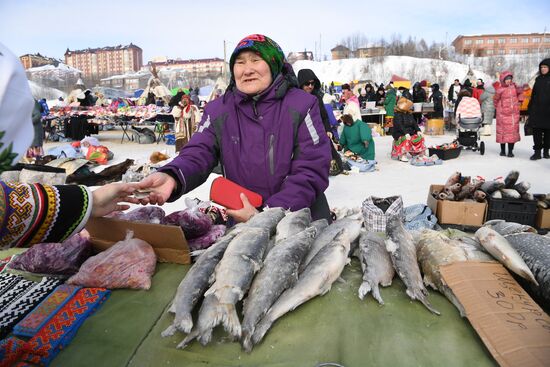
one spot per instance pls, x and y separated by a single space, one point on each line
265 132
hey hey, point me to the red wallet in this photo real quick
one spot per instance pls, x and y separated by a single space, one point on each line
227 193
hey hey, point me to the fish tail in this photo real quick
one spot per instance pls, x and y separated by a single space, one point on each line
422 298
261 329
246 341
376 294
428 305
185 323
227 315
188 339
169 331
364 289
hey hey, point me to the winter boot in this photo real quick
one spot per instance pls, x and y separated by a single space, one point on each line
536 156
545 153
510 154
503 150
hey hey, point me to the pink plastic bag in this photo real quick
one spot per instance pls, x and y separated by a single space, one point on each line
127 264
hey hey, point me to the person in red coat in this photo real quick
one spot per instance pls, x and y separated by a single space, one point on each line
507 99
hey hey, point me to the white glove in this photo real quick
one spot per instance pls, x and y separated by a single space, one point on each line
408 137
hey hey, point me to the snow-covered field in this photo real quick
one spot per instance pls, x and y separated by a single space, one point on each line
391 178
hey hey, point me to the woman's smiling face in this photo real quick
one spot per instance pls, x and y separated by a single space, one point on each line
252 74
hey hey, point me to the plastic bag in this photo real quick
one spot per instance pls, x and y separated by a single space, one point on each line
99 154
127 264
207 239
145 214
192 221
54 258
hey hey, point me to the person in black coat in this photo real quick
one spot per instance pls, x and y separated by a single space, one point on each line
454 89
437 99
380 95
539 111
419 94
308 82
405 93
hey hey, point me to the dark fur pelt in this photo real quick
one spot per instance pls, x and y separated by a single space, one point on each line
83 176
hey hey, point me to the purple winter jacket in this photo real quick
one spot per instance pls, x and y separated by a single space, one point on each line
273 144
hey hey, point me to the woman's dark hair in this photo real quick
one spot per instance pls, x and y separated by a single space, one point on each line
347 119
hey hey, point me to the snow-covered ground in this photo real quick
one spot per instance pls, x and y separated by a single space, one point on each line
391 178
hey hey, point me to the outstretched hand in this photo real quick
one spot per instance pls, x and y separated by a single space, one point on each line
243 214
160 185
106 199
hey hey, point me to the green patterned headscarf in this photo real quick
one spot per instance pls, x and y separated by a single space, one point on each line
264 46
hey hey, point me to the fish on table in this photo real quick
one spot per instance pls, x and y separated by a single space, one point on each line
501 250
315 280
401 247
279 272
376 265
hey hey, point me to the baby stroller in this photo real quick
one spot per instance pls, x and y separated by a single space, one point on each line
468 133
469 121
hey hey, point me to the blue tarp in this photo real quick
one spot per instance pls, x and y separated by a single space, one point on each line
138 93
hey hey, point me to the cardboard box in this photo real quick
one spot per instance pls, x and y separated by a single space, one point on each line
168 242
543 218
514 328
466 213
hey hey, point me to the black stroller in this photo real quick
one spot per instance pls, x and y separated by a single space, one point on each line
468 133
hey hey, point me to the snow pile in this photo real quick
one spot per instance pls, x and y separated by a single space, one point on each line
380 70
60 67
39 91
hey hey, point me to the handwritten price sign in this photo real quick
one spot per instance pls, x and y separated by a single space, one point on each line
513 327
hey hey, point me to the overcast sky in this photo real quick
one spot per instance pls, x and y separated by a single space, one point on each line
197 29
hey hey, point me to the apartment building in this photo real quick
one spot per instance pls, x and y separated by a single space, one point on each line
197 68
35 60
503 44
97 63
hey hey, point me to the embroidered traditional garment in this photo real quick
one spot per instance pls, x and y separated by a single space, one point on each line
376 211
18 308
35 320
33 213
10 351
62 327
413 146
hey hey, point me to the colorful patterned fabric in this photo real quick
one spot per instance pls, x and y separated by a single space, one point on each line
62 327
17 309
34 321
7 281
413 146
16 291
264 46
33 213
10 351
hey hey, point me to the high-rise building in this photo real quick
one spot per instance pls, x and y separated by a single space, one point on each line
502 44
97 63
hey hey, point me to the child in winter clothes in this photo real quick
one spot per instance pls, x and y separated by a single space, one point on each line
507 100
406 134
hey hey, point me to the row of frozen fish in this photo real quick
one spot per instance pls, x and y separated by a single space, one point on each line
518 247
277 260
